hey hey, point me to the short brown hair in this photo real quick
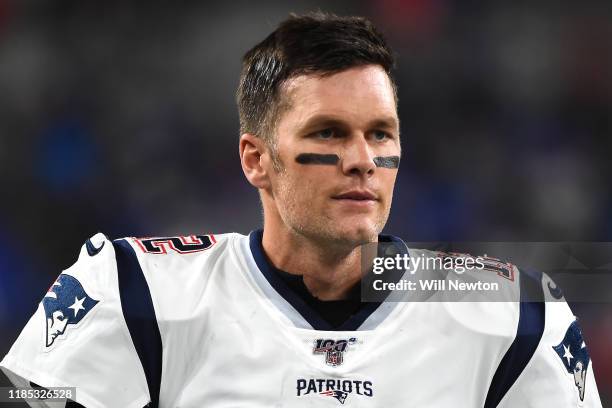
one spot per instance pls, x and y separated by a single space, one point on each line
314 43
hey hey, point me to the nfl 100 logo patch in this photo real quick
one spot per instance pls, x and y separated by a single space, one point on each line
333 349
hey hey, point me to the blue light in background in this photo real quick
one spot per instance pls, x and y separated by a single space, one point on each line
67 155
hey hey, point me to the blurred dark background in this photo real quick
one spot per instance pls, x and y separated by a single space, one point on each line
119 117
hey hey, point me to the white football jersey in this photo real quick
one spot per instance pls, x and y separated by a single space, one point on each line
204 321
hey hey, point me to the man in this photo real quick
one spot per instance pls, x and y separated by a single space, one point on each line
275 318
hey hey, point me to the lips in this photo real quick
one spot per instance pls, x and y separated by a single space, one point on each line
357 195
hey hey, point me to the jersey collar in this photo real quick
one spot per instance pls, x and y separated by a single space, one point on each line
305 310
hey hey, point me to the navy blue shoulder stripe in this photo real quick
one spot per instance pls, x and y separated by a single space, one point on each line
528 334
140 317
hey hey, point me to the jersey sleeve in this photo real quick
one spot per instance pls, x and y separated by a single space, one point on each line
78 337
560 372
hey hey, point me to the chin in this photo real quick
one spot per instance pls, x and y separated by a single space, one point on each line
341 230
357 234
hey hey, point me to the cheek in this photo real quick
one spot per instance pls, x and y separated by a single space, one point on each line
301 189
388 181
309 177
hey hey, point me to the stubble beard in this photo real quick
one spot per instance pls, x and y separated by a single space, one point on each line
320 229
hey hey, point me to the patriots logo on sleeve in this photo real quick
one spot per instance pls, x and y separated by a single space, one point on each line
65 303
573 352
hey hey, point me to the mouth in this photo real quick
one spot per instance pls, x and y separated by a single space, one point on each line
360 197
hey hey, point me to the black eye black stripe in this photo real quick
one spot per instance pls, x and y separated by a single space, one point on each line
315 158
388 162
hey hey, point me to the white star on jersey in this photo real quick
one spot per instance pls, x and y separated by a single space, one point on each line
77 305
567 354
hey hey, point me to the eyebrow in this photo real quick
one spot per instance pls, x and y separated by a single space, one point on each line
386 122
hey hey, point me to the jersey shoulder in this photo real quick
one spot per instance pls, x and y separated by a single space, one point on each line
176 272
545 361
78 332
557 368
179 256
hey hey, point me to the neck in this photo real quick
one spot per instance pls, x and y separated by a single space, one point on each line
329 271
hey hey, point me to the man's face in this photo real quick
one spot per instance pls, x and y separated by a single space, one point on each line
351 114
579 378
56 326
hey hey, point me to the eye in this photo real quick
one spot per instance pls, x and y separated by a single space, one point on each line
325 133
379 135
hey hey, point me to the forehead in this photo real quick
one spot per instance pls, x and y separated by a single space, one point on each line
358 93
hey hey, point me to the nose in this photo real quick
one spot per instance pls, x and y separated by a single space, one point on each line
358 158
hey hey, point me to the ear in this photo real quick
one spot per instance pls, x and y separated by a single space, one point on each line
255 160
